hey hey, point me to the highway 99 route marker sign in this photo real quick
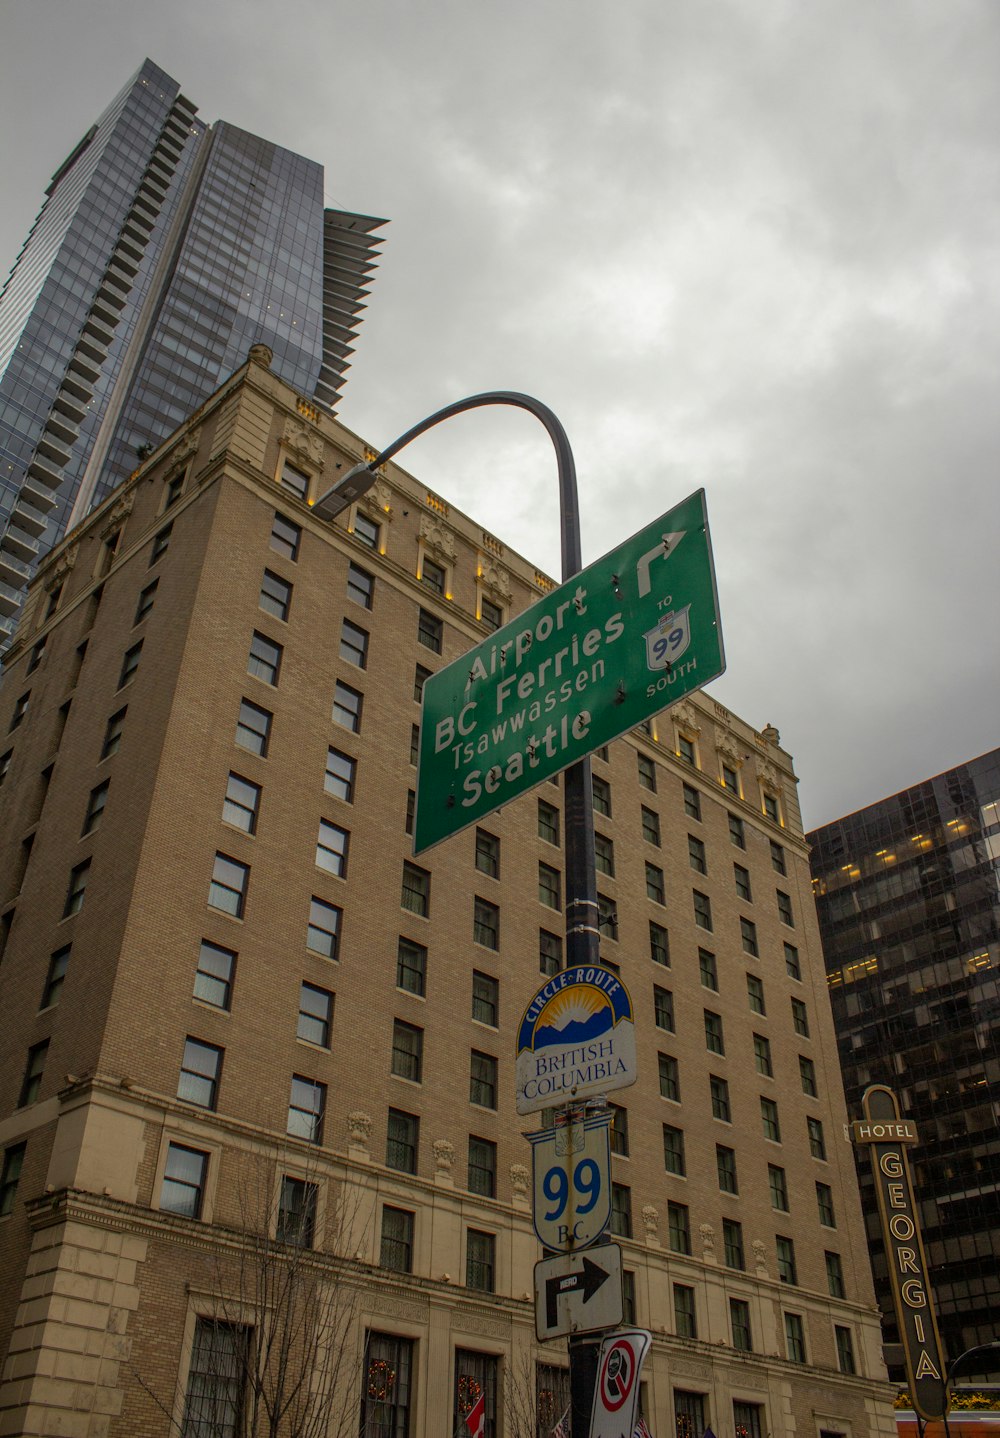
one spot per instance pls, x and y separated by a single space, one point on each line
628 635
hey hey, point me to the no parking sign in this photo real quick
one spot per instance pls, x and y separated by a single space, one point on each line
616 1392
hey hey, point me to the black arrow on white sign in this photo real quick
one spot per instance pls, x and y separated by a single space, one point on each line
589 1279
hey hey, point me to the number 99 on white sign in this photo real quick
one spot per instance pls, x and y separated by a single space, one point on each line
572 1192
586 1184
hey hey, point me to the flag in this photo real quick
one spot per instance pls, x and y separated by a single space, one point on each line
475 1419
708 1433
640 1430
561 1430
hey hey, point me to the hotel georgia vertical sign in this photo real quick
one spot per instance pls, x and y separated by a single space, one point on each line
887 1134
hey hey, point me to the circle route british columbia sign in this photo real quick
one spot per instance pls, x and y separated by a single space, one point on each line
576 1039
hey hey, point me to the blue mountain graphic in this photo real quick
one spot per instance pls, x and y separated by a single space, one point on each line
576 1032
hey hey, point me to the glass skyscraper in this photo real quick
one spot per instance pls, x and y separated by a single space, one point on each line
908 894
164 249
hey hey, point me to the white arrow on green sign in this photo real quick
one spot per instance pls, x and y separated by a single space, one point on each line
621 640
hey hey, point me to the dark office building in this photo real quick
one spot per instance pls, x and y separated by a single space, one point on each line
908 894
163 250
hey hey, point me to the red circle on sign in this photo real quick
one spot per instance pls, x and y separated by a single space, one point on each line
616 1386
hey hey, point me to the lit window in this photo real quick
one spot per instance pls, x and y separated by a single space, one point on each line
275 595
430 631
213 979
725 1163
323 932
402 1137
228 889
407 1051
485 999
253 728
673 1150
241 803
483 1080
769 1120
285 537
416 889
306 1109
339 777
411 967
264 661
331 849
670 1083
296 1211
367 531
347 704
315 1015
354 644
201 1069
184 1175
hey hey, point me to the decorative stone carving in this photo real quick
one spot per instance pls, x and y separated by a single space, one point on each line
767 777
729 746
119 512
707 1242
759 1258
444 1155
770 735
437 537
473 1323
686 717
650 1220
519 1180
495 579
261 354
303 442
689 1368
359 1129
62 567
396 1307
378 501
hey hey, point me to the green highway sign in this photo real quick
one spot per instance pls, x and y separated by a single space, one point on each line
628 635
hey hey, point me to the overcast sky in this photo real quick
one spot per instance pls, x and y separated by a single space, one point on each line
750 245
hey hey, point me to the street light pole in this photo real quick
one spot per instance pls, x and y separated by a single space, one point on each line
582 919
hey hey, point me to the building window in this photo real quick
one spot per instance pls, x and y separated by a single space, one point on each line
201 1071
686 750
323 932
490 614
663 1008
713 1033
487 853
485 999
755 994
778 1185
770 807
628 1304
241 803
673 1150
407 1051
95 807
807 1074
719 1091
679 1229
647 772
113 733
306 1109
411 967
5 764
385 1405
434 576
684 1320
784 1250
213 979
655 888
742 878
159 547
748 936
548 822
339 777
55 977
396 1243
696 855
265 658
549 953
621 1210
845 1349
795 1338
659 944
732 1240
228 889
731 779
294 480
315 1015
483 1080
402 1138
367 531
354 644
411 811
10 1173
130 663
77 888
824 1205
607 917
430 631
762 1055
184 1175
817 1144
549 886
650 826
769 1120
602 796
702 910
800 1018
275 595
784 908
670 1082
420 678
34 1068
692 802
253 728
416 894
144 605
739 1326
778 858
331 849
347 704
708 970
482 1173
792 967
604 855
737 834
725 1163
619 1130
297 1211
285 537
835 1276
480 1260
213 1403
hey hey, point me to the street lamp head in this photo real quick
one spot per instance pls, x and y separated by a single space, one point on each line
357 481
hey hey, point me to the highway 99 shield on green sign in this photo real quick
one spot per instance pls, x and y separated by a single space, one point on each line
627 636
